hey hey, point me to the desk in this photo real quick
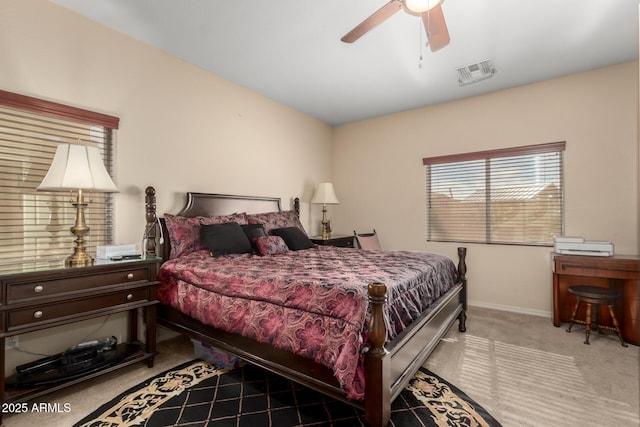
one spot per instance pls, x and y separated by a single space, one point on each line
617 272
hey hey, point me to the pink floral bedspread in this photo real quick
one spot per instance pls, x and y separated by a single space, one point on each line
312 302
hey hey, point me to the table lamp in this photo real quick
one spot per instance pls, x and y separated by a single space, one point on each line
78 167
326 195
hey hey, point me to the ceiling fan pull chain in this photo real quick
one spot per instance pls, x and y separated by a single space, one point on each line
428 26
420 45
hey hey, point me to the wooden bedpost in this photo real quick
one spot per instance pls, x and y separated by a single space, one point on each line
462 273
377 386
152 222
296 205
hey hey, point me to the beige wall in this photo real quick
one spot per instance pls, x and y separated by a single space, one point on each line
181 128
380 180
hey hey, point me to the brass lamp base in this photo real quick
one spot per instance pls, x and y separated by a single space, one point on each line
79 260
325 223
325 233
80 257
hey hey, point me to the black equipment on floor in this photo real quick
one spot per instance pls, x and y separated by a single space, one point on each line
74 362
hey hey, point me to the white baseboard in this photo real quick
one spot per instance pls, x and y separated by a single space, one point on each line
512 309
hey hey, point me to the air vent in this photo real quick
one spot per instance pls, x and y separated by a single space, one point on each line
474 73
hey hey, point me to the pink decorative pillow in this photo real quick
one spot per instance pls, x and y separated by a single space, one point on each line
273 220
270 245
184 232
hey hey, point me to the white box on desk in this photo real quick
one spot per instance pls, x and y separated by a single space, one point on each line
108 252
584 248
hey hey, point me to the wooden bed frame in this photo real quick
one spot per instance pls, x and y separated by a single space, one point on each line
389 366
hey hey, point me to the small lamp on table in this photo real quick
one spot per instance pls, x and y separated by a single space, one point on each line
325 195
78 168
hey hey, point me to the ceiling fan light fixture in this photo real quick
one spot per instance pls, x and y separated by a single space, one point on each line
420 6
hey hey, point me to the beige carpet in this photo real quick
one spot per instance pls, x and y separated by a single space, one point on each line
526 372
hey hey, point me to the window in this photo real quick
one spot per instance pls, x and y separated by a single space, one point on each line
34 225
508 196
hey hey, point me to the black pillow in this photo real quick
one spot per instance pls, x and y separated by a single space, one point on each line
294 238
224 239
253 231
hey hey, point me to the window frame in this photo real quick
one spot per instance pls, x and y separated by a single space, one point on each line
487 156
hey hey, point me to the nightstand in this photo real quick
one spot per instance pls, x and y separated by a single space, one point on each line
46 296
342 241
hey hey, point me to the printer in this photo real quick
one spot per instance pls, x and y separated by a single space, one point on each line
580 246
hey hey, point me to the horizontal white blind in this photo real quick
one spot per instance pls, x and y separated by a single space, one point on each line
511 196
34 225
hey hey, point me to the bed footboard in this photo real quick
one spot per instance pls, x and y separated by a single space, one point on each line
390 366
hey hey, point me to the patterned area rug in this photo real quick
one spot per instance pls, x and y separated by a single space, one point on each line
201 394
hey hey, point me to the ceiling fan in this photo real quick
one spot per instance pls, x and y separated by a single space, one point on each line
429 10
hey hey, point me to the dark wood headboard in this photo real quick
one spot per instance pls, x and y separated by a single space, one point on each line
203 204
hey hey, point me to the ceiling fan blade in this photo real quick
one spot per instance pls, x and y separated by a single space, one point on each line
377 18
436 27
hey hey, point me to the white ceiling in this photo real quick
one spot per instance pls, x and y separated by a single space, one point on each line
290 50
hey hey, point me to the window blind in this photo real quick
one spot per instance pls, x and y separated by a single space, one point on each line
34 225
508 196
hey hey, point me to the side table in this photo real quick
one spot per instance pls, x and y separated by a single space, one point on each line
41 297
342 241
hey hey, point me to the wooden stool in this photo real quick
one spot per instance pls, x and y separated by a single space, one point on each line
594 295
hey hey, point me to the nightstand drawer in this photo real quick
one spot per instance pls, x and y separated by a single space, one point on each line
46 288
50 312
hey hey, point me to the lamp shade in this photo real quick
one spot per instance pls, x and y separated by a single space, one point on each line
325 194
77 167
